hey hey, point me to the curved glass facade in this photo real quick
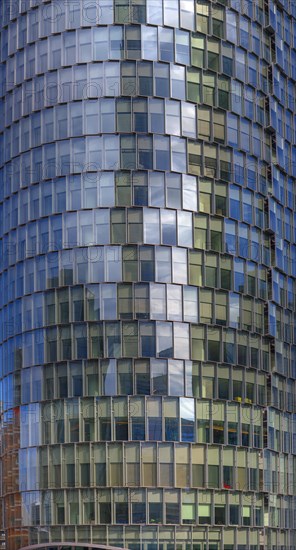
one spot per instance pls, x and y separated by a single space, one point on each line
148 265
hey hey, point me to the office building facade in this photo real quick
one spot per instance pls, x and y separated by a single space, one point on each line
148 268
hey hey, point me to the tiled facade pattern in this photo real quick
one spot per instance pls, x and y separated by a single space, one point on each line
148 271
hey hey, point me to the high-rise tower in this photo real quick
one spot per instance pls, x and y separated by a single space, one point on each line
147 275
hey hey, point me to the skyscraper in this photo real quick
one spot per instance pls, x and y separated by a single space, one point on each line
147 274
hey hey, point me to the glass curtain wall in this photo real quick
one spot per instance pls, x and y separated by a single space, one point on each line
147 273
